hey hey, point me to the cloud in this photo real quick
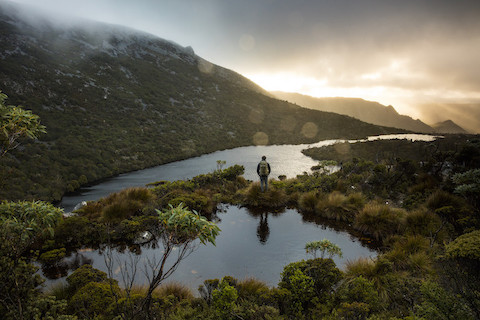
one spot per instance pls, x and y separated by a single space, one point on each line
417 51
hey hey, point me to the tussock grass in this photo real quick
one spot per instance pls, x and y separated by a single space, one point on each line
379 220
118 206
440 199
362 266
273 198
59 290
340 207
251 288
421 222
307 202
176 289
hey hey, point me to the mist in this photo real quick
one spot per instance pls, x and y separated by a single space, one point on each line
410 55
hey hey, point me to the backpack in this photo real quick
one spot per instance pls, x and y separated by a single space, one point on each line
264 168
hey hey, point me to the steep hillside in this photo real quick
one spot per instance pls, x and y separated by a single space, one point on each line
368 111
115 100
448 126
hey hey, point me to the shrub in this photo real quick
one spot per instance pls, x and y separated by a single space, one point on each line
120 210
340 207
422 222
118 206
84 275
321 274
52 256
78 231
251 289
467 246
379 220
359 290
206 289
437 303
273 198
440 199
324 246
410 253
308 201
231 173
176 289
224 298
93 299
198 200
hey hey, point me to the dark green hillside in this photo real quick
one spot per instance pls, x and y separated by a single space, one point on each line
115 100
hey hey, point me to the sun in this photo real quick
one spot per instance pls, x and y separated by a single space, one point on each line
291 82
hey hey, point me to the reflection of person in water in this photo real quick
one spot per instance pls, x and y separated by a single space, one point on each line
262 230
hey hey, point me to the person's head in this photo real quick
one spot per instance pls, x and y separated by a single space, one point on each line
264 158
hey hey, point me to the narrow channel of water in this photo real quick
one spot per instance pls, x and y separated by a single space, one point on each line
249 245
285 160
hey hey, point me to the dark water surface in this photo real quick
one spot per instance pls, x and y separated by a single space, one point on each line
249 245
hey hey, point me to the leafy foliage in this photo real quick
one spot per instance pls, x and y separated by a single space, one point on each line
179 225
16 123
324 246
467 246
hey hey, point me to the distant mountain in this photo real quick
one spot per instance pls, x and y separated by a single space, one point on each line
116 100
368 111
448 126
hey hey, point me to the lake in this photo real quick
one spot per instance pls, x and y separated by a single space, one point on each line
250 244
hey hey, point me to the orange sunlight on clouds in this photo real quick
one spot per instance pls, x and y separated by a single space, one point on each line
291 82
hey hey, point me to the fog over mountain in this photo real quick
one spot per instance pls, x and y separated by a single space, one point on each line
115 99
421 57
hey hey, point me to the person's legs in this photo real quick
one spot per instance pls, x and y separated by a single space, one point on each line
263 183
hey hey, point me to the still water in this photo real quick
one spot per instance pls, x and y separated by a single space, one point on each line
285 160
249 245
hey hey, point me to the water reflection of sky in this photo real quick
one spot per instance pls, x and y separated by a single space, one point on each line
240 253
249 245
284 160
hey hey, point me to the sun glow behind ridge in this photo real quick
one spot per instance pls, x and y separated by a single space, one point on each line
291 82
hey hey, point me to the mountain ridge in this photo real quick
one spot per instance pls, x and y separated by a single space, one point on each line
368 111
114 102
448 126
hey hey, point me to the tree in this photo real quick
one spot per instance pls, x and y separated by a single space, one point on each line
324 246
180 232
21 224
16 123
468 185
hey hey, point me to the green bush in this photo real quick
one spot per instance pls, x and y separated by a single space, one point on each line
308 282
359 290
437 303
224 299
467 246
52 256
83 276
77 232
93 299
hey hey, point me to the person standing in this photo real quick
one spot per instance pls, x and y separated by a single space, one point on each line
263 170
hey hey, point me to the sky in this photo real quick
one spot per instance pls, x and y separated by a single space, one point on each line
420 56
